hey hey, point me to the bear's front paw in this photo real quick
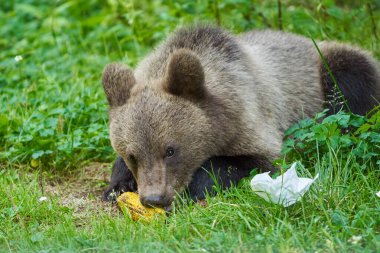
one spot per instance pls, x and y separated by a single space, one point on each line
122 180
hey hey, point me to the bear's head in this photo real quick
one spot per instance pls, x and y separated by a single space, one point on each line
160 128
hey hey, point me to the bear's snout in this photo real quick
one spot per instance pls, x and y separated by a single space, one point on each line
155 201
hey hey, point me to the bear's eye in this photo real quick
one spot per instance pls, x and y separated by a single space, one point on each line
132 159
169 152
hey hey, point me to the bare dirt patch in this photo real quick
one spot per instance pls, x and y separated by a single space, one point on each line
82 189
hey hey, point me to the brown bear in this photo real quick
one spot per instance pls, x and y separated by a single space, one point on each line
206 94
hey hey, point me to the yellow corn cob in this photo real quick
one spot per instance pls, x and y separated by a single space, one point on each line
131 201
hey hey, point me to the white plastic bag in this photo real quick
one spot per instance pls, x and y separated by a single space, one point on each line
286 189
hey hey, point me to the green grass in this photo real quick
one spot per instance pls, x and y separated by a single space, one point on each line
53 127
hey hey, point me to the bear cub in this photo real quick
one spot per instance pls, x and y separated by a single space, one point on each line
207 98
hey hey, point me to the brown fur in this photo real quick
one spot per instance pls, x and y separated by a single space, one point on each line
117 81
184 75
356 75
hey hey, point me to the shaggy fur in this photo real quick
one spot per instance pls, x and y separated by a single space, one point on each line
205 93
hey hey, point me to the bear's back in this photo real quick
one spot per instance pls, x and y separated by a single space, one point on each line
286 72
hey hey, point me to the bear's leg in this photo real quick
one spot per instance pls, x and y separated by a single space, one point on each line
357 76
224 171
122 180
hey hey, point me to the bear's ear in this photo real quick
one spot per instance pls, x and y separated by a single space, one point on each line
117 82
185 76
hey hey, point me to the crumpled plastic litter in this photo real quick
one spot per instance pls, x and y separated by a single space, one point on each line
378 194
286 189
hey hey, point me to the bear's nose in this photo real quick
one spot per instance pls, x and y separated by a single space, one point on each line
155 200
